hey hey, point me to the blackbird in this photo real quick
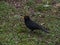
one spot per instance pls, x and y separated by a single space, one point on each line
32 25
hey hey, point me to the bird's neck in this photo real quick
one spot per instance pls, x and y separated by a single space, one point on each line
27 19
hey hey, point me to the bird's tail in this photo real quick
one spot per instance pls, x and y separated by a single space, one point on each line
44 29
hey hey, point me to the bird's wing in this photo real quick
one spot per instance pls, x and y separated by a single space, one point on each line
36 26
33 24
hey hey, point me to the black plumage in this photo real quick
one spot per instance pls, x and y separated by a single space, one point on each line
32 25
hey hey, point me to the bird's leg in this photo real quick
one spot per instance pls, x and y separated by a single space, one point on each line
31 33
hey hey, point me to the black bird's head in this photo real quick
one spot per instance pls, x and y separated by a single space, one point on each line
26 18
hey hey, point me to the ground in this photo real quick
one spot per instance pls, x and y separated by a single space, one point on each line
13 30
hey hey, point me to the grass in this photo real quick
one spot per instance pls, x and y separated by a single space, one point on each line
14 32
